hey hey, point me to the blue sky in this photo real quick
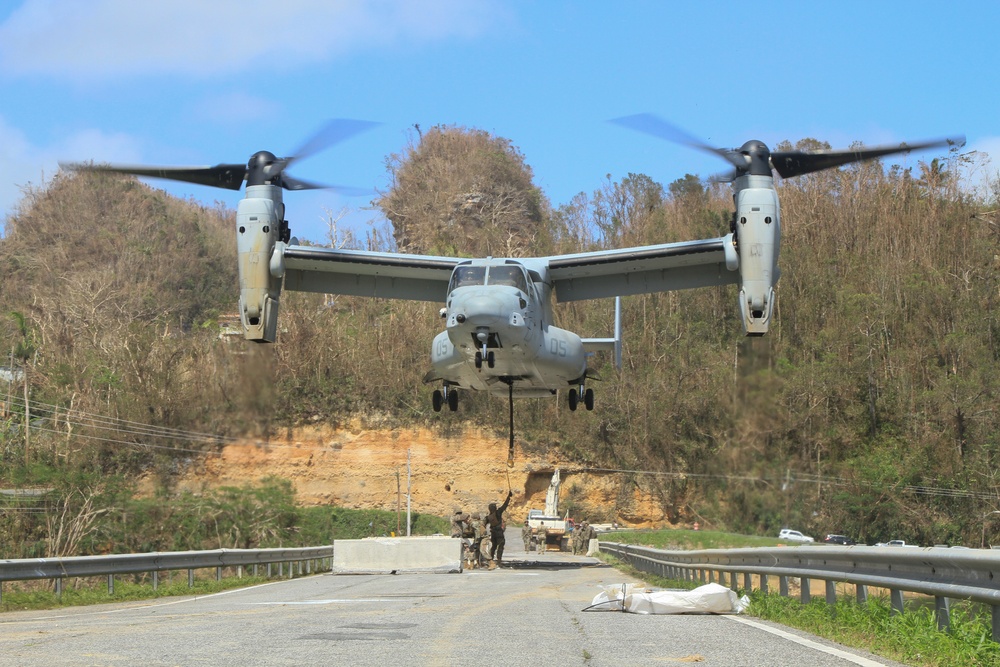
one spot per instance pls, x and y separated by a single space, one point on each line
189 82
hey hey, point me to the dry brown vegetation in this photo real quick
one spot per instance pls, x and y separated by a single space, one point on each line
868 410
461 191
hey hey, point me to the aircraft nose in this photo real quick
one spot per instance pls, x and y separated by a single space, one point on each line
483 311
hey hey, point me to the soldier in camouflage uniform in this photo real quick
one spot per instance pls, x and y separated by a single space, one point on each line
579 537
478 533
496 522
458 522
588 534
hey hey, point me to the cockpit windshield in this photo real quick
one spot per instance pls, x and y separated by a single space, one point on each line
513 276
471 276
466 276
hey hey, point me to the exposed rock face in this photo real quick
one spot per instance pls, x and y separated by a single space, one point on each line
367 469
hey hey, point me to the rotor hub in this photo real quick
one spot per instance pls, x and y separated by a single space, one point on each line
758 156
261 169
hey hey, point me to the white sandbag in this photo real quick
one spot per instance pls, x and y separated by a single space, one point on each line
707 599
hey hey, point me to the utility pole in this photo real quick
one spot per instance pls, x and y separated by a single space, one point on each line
10 382
27 413
787 488
398 493
407 492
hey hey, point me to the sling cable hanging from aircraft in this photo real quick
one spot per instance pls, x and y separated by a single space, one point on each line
499 334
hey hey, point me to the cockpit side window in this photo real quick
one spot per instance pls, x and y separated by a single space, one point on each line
512 276
464 276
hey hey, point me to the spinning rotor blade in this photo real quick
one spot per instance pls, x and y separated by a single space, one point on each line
294 184
263 168
228 176
755 158
796 163
291 183
333 132
650 124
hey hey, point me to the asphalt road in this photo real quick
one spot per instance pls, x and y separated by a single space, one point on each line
531 611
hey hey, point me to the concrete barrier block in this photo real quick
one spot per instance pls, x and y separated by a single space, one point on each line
395 555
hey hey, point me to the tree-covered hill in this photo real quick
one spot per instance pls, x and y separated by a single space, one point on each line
120 287
870 407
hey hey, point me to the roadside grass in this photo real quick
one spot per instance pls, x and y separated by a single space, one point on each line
912 637
689 540
34 595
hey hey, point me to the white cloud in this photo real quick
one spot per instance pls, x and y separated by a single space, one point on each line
19 166
24 165
104 39
98 146
219 108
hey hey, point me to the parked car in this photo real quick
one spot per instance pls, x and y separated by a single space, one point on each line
839 539
793 536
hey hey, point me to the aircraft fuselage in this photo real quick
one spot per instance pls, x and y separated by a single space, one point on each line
499 334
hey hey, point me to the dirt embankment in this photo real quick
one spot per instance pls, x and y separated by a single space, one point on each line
367 469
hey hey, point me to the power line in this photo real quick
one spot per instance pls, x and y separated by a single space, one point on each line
119 427
115 427
82 418
129 443
122 427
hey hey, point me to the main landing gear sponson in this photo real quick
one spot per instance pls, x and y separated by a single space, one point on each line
574 398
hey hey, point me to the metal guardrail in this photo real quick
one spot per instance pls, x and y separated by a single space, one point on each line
947 574
88 566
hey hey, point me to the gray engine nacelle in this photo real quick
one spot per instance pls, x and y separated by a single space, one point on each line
258 228
758 230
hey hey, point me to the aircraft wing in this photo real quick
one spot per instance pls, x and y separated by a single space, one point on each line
657 268
364 273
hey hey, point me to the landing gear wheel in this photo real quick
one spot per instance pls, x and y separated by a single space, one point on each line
437 400
479 360
490 359
574 398
453 400
588 399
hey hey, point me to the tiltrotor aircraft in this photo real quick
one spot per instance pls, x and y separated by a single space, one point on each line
499 334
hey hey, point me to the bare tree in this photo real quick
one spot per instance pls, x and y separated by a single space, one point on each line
75 517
